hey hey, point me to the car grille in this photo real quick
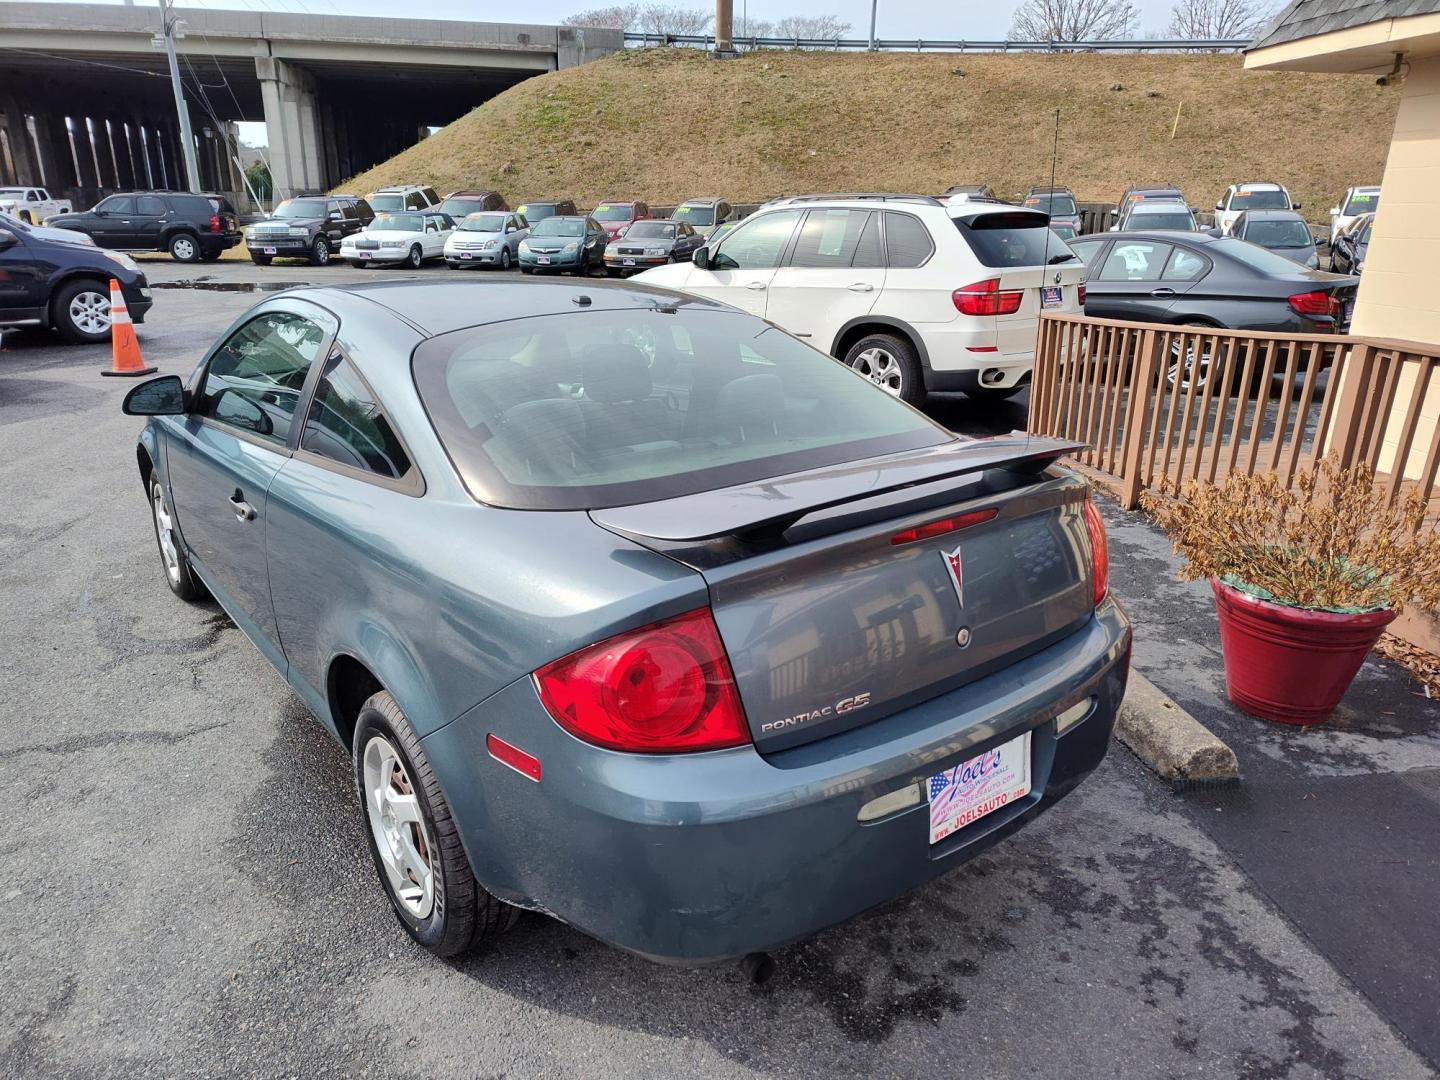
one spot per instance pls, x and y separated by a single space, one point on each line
368 245
631 251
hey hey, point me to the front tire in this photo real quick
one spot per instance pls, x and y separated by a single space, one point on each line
184 248
891 364
416 257
261 260
320 252
173 560
81 313
414 841
505 258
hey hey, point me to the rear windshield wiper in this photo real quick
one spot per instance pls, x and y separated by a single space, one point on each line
1066 257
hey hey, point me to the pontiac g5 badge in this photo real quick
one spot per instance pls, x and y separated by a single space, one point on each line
956 570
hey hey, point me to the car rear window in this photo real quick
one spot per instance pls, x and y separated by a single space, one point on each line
584 410
1260 200
1013 238
538 211
1055 205
1256 257
1168 220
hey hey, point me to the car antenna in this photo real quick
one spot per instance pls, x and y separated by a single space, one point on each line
1054 157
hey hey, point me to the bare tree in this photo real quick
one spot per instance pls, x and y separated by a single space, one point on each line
748 28
1073 20
812 27
1216 19
646 18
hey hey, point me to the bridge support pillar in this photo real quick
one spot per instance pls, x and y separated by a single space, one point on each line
292 122
22 148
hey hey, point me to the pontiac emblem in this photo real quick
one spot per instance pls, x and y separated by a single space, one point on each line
956 569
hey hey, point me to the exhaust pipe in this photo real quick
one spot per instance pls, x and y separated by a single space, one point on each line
758 967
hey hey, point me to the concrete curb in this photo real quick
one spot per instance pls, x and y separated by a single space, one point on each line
1171 742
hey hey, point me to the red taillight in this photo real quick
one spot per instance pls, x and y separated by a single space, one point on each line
943 526
1099 552
214 222
663 688
503 752
985 298
1318 302
1080 294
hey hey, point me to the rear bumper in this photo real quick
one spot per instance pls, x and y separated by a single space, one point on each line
698 858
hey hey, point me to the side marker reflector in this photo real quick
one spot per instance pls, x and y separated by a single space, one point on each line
527 765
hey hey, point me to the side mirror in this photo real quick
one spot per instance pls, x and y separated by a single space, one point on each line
163 396
621 231
1334 211
701 258
1219 206
1295 206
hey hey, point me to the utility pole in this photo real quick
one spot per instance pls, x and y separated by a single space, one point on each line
874 4
724 28
187 138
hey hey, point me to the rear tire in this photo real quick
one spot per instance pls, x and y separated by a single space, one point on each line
890 363
414 842
184 248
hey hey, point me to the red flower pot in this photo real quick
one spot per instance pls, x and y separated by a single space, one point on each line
1288 664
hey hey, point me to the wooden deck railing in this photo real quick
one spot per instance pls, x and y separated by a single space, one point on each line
1154 402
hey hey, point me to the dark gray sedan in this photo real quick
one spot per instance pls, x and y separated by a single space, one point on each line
651 243
633 609
1282 231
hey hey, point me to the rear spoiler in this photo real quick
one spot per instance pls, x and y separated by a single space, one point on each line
770 506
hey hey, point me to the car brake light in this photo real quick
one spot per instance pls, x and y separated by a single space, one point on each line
663 688
1099 551
943 526
1080 294
1318 302
985 298
214 222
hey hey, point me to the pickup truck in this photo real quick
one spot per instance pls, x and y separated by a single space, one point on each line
32 205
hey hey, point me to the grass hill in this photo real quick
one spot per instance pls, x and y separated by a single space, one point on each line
665 125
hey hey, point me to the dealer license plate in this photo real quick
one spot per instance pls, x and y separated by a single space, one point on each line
543 260
627 262
269 251
1051 296
978 787
365 254
464 255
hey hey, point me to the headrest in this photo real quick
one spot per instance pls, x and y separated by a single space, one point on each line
615 373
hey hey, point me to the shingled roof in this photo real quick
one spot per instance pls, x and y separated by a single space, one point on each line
1307 18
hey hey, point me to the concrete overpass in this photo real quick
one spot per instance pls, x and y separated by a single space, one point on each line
87 106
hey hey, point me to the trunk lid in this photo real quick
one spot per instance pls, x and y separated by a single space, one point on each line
830 624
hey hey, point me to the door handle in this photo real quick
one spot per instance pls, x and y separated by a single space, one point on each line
860 286
755 286
243 510
1161 294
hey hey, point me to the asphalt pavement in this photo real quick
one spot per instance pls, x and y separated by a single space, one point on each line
187 893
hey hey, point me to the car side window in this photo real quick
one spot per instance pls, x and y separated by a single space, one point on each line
363 211
868 252
757 244
149 204
907 241
430 195
1185 266
828 238
32 196
347 425
1135 260
117 204
254 380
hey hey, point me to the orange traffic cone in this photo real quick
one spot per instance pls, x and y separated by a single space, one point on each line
124 348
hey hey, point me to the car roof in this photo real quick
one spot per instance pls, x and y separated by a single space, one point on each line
976 207
1272 215
396 189
441 307
1056 189
470 192
707 201
1158 206
1259 185
1145 189
1162 235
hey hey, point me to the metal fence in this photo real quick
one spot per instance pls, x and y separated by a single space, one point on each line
943 44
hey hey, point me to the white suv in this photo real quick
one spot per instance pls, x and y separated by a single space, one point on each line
391 200
915 295
1263 195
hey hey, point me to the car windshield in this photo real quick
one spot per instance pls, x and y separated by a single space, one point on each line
1273 234
651 230
614 212
461 207
484 223
381 203
559 226
1166 220
398 223
1269 199
607 408
1255 257
695 215
1362 202
537 211
300 208
1013 238
1054 205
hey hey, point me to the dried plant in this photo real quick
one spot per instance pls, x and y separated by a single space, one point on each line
1328 542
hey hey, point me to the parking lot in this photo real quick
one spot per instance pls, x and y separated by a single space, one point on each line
189 894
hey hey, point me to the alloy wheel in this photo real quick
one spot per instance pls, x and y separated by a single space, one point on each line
1187 365
183 248
165 532
321 251
407 851
880 367
90 312
415 258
